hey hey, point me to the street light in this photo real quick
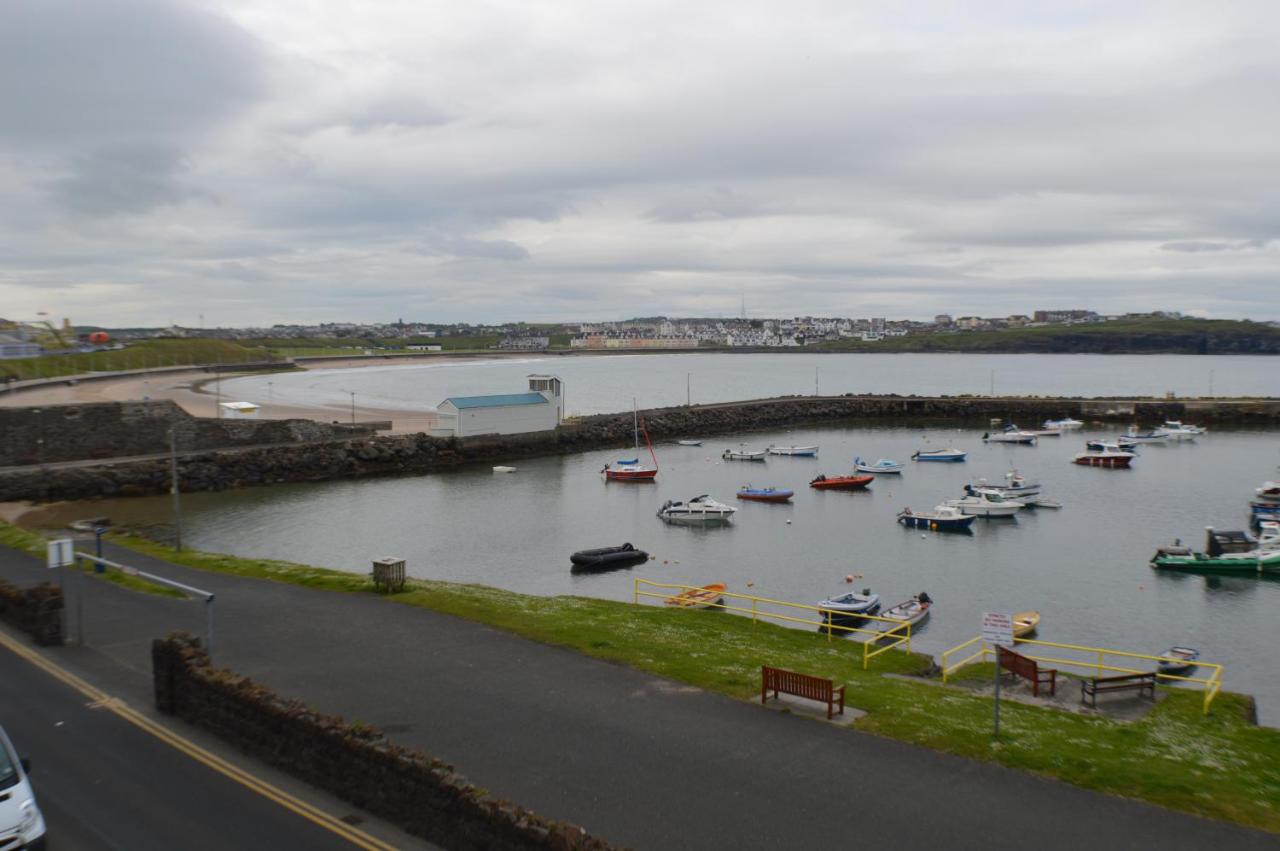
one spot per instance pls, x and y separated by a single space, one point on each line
353 406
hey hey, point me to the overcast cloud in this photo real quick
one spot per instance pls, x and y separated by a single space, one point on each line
298 161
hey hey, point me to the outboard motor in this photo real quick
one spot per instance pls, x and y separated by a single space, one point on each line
924 598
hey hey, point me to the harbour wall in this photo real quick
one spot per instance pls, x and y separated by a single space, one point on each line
56 433
418 453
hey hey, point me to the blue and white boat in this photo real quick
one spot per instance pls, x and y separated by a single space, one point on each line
948 454
944 517
880 467
851 606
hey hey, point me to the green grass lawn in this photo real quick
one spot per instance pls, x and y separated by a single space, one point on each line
1220 766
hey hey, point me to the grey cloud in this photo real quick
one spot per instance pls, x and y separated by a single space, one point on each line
463 246
1195 246
124 180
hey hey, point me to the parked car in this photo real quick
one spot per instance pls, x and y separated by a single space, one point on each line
20 816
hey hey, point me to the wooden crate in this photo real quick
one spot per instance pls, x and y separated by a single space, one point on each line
388 575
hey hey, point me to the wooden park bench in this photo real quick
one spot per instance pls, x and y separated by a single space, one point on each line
1139 682
1026 668
779 681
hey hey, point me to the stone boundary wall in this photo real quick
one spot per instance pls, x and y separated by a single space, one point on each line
36 611
419 453
420 794
53 433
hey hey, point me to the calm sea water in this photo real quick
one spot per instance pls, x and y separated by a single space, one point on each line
608 384
1084 566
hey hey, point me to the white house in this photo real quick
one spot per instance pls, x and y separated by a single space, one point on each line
540 409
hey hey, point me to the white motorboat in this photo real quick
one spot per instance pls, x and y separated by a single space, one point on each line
700 509
800 451
742 455
1133 436
1104 446
986 503
1016 486
1044 432
1064 424
1179 427
880 467
502 468
1011 434
689 442
1269 492
950 454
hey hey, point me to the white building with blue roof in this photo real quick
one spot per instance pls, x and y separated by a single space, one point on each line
540 409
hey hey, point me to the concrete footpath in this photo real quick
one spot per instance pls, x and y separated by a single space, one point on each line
634 758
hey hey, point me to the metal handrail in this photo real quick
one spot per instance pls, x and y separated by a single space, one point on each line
898 631
160 580
1212 683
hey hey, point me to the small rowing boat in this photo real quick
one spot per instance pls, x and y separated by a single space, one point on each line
798 451
949 454
881 467
689 442
502 468
705 597
1025 623
907 612
1178 661
742 455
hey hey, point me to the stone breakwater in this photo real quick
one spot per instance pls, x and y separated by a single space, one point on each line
419 453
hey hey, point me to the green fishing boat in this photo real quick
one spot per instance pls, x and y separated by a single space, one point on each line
1226 552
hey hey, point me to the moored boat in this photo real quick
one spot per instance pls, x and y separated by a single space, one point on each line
1105 446
1105 458
689 442
841 483
706 597
911 612
799 451
1064 424
766 494
1025 623
1178 426
1178 661
742 455
1011 434
1016 486
881 467
985 503
605 557
631 470
502 468
1226 552
700 509
942 517
948 454
1269 492
850 606
1132 436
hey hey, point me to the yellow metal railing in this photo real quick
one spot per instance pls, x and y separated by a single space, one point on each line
1100 661
880 634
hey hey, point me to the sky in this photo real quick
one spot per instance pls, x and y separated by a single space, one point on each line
254 162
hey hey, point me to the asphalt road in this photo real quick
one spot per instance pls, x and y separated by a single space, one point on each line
635 759
105 784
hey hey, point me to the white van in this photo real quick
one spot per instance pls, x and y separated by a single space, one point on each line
21 823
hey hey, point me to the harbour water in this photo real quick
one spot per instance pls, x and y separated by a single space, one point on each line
607 384
1085 567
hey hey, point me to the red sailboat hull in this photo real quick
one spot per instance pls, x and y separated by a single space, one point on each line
630 475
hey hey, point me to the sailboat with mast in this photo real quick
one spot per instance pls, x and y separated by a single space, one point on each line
630 469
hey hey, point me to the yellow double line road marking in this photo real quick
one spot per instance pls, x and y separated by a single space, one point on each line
102 700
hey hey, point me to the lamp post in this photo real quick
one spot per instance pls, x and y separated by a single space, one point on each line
353 407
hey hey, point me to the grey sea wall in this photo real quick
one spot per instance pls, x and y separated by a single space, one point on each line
49 434
418 453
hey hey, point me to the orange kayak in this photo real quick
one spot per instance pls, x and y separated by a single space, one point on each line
842 483
704 597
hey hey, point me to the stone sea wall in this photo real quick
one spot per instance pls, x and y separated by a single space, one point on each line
418 453
52 433
420 794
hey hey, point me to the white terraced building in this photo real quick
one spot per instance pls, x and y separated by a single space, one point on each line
540 409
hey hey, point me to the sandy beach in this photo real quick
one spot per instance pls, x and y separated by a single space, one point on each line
184 388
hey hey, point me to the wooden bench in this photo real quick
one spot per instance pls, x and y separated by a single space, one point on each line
1139 682
779 681
1026 668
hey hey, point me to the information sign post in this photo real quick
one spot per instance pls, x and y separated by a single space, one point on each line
997 629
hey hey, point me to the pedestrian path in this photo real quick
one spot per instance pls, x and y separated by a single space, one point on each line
634 758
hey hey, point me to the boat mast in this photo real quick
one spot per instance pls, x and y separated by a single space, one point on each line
652 454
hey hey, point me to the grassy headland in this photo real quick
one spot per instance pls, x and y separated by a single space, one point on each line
1139 336
147 354
1221 766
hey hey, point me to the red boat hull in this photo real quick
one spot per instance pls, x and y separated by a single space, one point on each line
842 483
631 475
